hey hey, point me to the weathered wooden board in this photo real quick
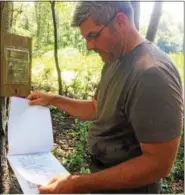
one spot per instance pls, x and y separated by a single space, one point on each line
15 65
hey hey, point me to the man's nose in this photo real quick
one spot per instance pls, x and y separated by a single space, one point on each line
90 44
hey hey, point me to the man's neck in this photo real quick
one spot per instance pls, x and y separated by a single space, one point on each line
132 41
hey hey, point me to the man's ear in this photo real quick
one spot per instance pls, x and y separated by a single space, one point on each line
121 20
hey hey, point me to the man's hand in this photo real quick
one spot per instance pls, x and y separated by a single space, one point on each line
39 98
61 184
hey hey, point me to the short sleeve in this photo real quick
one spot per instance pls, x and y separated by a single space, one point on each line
155 107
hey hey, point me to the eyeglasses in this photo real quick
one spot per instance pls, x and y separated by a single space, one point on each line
94 35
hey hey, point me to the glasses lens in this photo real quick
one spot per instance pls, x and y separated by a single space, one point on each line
92 36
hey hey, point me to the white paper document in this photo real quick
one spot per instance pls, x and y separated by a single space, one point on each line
30 141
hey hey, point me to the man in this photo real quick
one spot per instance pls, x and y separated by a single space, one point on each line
137 107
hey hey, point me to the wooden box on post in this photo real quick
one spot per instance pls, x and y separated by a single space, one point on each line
15 65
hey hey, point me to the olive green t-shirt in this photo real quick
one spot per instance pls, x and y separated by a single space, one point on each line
139 100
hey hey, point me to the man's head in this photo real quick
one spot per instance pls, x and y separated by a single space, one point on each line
105 26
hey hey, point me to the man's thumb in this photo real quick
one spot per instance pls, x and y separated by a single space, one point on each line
45 189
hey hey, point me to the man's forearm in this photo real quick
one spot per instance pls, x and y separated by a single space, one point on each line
82 109
134 173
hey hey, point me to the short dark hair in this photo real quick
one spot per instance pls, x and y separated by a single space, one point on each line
101 11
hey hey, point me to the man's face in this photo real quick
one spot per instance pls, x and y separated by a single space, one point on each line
108 44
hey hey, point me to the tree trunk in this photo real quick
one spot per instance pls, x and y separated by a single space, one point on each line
154 21
56 47
16 14
11 15
37 12
136 7
5 10
48 31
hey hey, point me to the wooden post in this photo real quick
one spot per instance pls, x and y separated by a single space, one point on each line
4 173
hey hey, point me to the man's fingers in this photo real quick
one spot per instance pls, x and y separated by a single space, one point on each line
34 95
52 180
33 102
46 189
51 186
31 96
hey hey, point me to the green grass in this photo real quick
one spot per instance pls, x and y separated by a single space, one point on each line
79 159
178 59
80 74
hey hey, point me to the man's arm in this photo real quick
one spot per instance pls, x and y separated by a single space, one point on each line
82 109
155 163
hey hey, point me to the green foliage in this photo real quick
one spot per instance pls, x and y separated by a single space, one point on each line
170 34
34 19
178 60
79 157
23 19
177 171
80 73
